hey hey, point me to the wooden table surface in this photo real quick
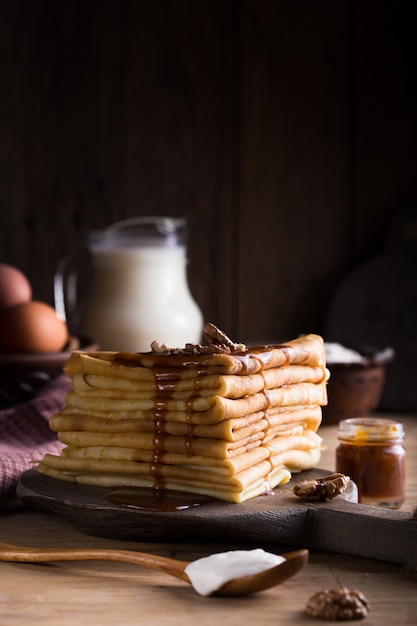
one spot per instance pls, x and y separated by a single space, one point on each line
100 594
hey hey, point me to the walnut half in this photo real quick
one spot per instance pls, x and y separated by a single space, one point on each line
323 488
338 604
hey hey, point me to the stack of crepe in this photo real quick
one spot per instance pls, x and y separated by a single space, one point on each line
232 424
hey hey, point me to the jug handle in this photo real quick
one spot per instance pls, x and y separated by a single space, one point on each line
66 281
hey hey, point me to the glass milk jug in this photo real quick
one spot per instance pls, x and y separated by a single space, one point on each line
139 290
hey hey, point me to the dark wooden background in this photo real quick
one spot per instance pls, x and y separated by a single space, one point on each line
285 131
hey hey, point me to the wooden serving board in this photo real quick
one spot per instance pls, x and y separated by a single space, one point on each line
339 525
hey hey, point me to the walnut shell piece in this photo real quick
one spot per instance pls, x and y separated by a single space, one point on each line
338 604
321 489
217 342
213 335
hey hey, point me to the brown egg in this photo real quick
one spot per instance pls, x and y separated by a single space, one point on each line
31 327
14 286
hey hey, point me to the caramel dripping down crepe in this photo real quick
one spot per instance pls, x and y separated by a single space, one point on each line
188 422
280 420
306 350
245 486
176 459
207 410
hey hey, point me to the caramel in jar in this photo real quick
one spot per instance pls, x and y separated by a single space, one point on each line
372 454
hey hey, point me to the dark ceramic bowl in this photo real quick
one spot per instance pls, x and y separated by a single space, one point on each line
355 389
21 375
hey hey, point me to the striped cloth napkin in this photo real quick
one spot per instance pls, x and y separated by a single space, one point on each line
25 435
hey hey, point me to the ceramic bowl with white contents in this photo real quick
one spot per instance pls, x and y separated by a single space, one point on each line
356 383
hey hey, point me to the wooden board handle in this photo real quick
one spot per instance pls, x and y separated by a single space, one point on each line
366 531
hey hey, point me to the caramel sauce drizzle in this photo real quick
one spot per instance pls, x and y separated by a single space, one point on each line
165 378
158 498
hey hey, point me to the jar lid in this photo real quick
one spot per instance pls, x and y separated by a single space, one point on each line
370 429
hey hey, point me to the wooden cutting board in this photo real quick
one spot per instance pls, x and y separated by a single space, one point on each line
340 525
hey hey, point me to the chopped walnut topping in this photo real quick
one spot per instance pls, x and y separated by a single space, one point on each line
323 488
217 342
160 348
338 604
214 335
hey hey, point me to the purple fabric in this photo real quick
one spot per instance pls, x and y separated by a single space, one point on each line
25 435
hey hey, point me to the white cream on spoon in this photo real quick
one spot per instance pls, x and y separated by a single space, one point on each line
210 573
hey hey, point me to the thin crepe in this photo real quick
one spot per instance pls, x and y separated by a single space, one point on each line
282 419
207 410
305 350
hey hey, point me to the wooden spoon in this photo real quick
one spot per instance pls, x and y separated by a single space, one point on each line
242 586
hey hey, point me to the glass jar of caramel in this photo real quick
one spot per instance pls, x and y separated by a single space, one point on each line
372 454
